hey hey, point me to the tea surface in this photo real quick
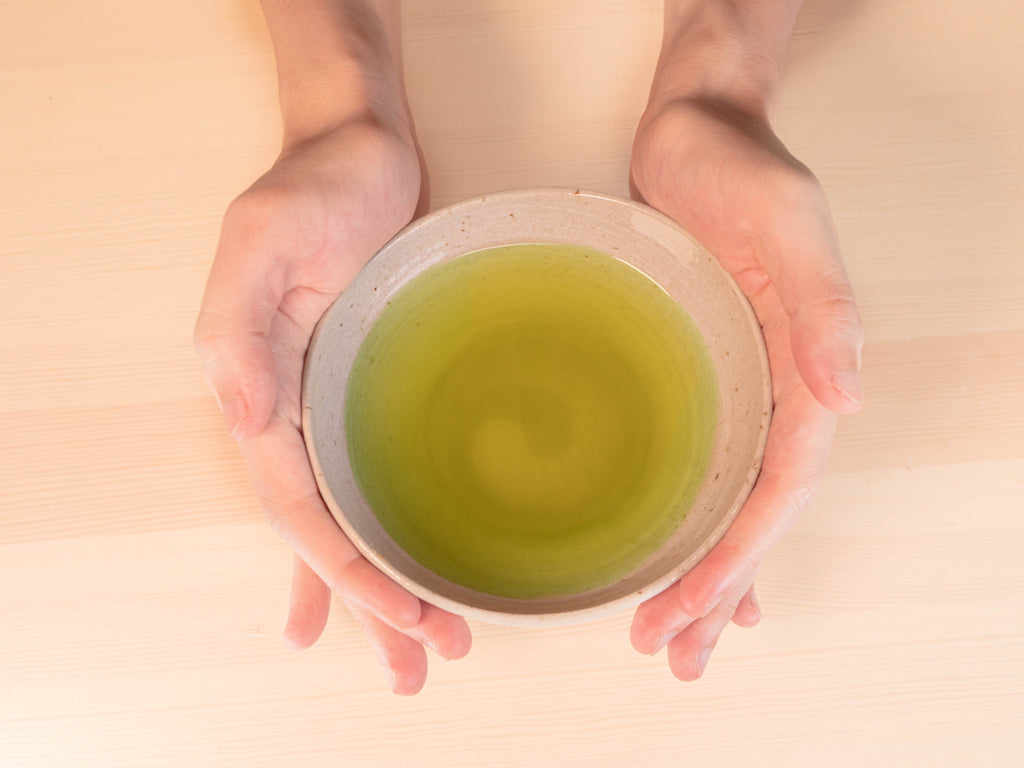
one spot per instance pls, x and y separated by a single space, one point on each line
531 420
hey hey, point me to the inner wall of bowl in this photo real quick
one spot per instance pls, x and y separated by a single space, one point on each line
632 233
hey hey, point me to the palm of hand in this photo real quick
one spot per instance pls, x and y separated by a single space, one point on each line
327 207
289 245
728 180
294 240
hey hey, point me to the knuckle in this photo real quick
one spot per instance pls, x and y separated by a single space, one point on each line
251 220
276 518
205 340
838 305
212 346
252 206
740 558
283 515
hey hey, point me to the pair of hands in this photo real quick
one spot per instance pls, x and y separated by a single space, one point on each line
292 242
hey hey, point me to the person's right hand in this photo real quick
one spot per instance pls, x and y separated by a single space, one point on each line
289 245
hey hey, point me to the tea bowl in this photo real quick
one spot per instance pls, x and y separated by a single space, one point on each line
626 231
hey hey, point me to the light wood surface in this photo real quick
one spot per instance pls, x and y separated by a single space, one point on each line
141 593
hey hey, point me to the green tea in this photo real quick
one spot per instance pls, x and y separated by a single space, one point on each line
531 420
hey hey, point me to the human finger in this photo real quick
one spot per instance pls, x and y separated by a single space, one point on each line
775 502
279 468
662 618
748 612
796 455
806 268
689 651
309 606
445 633
401 656
231 336
657 621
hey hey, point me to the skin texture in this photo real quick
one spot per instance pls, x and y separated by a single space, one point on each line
350 175
706 155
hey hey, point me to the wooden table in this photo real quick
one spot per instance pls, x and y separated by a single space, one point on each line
141 593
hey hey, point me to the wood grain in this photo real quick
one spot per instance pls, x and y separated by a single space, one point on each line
141 594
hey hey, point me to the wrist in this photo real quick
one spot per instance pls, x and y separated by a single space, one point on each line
728 54
338 61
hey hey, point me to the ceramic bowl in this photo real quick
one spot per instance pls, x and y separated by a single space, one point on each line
629 231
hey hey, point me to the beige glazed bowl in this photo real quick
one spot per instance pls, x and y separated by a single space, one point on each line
631 232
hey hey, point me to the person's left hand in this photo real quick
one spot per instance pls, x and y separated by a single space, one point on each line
726 178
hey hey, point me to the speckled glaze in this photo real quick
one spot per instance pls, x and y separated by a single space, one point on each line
634 233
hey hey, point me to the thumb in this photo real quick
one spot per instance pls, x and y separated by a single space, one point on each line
827 337
231 339
825 330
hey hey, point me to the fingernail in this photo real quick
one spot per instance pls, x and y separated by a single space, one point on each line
754 604
663 641
392 680
702 659
847 383
234 414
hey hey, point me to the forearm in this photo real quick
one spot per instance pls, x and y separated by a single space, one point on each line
336 60
731 52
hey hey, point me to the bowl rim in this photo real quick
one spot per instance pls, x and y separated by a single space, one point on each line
575 615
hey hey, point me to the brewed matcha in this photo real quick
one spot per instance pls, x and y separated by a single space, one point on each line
531 420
